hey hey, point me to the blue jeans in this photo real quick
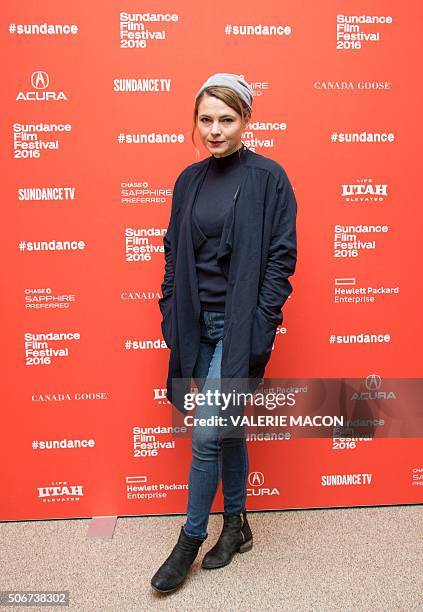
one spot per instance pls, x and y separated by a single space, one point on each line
213 457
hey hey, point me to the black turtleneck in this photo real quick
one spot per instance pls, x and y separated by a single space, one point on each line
210 209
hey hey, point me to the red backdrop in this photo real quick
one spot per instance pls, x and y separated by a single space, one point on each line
98 78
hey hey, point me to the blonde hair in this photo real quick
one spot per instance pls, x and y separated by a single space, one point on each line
229 97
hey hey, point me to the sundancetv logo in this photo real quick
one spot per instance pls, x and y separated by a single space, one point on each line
342 480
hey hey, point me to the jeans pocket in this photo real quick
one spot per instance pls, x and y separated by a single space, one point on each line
214 322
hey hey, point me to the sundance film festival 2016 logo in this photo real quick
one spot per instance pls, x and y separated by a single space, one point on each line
149 441
254 141
138 245
40 349
40 81
344 438
352 240
354 31
32 139
342 443
136 29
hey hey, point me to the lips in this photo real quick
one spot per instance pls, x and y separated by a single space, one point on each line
215 142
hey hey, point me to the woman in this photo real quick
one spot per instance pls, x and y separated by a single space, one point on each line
229 248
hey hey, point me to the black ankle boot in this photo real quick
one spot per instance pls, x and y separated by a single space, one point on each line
235 537
173 571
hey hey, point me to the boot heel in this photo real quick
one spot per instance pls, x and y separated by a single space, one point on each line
246 546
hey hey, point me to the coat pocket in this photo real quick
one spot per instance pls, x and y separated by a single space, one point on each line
262 336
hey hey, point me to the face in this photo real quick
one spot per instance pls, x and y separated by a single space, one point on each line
219 126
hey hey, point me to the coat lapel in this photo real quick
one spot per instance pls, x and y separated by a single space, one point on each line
228 232
191 237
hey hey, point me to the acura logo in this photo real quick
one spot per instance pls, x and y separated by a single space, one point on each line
40 80
256 479
373 382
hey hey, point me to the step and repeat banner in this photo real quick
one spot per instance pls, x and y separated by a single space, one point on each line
96 125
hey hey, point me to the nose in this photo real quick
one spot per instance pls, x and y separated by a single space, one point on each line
215 129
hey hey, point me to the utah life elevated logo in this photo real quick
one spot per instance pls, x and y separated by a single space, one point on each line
364 190
60 491
40 81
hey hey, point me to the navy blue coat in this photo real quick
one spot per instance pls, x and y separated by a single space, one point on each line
258 251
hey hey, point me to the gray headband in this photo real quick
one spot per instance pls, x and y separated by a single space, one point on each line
233 81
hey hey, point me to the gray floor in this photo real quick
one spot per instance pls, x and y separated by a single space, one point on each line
363 559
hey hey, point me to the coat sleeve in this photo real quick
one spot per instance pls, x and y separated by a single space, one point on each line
282 252
169 248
